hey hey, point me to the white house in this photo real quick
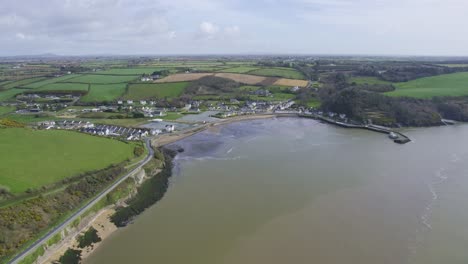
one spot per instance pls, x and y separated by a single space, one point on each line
170 128
119 102
129 101
143 102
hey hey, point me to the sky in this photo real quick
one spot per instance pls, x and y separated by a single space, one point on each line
166 27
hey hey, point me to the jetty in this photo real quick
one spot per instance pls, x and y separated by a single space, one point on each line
400 139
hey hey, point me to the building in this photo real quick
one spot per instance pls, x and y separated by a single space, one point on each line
169 128
130 102
295 89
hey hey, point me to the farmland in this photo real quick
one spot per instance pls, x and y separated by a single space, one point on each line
241 78
9 94
6 109
155 90
104 92
64 86
22 82
50 80
279 72
76 153
455 84
131 71
102 79
240 69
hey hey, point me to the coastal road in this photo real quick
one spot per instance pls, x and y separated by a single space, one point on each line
83 209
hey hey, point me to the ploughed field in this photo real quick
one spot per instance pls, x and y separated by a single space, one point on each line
241 78
35 158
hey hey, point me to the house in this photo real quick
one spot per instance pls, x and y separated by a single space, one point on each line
146 79
158 113
143 102
295 89
169 128
130 102
234 101
119 102
47 124
262 92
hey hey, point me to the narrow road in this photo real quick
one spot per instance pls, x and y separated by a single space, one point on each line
83 209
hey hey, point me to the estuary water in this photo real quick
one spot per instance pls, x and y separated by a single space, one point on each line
292 190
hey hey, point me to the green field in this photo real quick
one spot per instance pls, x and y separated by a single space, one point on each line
131 71
6 109
455 84
368 80
104 92
249 88
34 158
155 90
102 79
240 69
22 82
50 80
9 94
279 72
274 97
64 86
453 65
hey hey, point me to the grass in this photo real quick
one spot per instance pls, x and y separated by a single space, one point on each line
130 71
249 88
171 116
64 86
240 69
368 80
23 82
29 118
125 122
104 92
155 90
50 80
315 103
279 72
102 79
9 94
455 65
6 109
274 97
455 84
34 158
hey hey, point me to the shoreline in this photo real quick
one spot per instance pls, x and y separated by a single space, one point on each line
101 219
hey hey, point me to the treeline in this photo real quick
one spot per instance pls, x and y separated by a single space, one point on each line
22 222
403 73
150 192
211 85
363 106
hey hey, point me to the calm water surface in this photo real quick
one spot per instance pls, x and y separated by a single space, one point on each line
298 191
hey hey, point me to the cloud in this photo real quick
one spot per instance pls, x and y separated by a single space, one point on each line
208 30
282 26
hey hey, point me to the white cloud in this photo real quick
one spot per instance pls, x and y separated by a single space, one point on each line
208 29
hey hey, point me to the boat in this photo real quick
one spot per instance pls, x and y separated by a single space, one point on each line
392 135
